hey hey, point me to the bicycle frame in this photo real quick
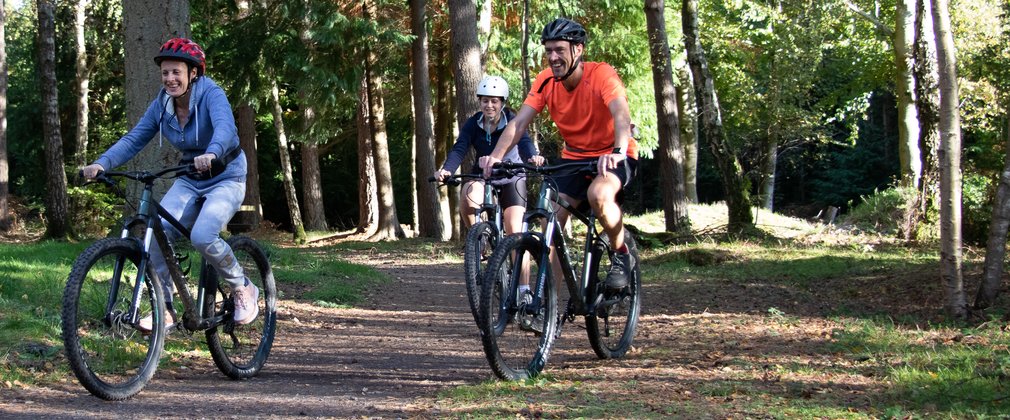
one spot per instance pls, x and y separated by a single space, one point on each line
552 235
147 215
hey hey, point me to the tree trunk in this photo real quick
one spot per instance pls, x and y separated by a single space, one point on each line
57 220
688 112
927 104
484 28
730 170
430 219
389 225
368 196
950 165
995 249
466 58
312 185
908 127
82 82
251 213
443 140
147 24
297 227
4 168
671 178
769 163
525 49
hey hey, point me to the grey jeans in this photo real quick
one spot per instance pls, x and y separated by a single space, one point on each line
223 200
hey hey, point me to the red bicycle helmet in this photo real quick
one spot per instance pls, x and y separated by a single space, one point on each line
183 49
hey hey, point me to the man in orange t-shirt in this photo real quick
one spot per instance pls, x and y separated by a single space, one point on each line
588 104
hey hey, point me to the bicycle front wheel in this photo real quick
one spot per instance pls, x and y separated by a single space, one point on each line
240 351
516 339
614 319
110 357
480 243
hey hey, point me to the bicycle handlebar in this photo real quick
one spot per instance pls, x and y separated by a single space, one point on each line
455 180
588 166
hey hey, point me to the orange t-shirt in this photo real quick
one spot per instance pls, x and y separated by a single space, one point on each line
582 115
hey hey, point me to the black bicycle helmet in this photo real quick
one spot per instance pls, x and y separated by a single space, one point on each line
562 29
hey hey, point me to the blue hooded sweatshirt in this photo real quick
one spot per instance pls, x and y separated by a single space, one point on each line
210 129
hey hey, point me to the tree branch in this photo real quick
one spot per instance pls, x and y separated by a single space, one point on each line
881 28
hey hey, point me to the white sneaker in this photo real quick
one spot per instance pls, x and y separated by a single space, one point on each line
246 303
146 324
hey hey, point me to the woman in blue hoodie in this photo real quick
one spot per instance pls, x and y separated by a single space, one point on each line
193 114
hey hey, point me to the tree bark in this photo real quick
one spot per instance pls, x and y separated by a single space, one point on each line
730 169
57 217
671 178
147 24
466 58
312 186
83 80
4 168
995 249
950 165
389 225
368 196
927 105
908 127
443 139
430 220
688 112
251 213
294 212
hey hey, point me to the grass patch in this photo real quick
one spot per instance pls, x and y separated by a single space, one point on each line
955 372
319 275
34 276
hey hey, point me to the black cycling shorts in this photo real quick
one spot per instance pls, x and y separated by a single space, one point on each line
513 192
576 185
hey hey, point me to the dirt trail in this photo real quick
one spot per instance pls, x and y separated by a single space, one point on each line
387 358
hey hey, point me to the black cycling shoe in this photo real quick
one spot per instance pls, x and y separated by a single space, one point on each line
620 267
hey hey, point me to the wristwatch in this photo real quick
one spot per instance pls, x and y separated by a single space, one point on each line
618 151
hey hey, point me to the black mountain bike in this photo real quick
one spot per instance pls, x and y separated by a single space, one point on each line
112 285
484 235
517 332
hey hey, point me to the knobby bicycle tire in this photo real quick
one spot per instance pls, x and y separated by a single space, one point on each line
513 350
612 325
480 243
111 358
240 351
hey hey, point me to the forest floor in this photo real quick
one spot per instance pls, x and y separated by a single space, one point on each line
701 351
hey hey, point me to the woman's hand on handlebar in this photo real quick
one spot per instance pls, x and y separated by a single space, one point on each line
202 163
92 170
537 160
440 175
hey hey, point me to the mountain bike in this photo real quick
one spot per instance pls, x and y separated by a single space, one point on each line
484 235
518 332
113 284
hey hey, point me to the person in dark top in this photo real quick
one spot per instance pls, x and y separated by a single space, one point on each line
481 131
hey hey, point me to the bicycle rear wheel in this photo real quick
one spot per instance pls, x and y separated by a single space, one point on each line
110 357
516 343
480 243
612 324
240 351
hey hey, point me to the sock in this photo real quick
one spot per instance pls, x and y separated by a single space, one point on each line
523 288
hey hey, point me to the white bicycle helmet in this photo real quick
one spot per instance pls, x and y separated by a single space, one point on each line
493 86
